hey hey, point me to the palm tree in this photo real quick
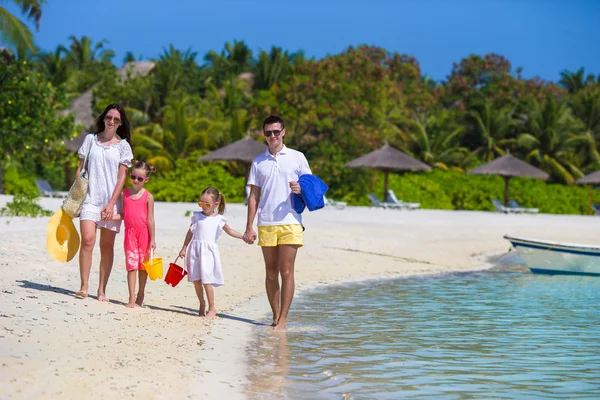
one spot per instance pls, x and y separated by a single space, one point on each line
550 138
54 66
83 52
14 32
234 59
272 67
429 141
575 81
490 126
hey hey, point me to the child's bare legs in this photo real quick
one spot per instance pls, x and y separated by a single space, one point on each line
210 296
143 276
200 294
131 278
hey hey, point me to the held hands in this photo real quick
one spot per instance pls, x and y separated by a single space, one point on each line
107 212
295 186
249 236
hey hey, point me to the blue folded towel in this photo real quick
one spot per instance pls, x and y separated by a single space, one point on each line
313 190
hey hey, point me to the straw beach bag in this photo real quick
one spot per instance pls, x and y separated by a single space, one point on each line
74 201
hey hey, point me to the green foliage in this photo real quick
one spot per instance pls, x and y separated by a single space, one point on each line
18 182
451 190
189 178
29 113
23 205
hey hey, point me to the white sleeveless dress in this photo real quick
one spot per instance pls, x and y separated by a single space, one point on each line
203 261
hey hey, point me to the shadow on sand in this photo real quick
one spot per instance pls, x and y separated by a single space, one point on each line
176 309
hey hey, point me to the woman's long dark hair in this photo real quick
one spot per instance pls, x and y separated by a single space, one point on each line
124 131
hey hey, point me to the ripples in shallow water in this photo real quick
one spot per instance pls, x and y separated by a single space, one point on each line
487 334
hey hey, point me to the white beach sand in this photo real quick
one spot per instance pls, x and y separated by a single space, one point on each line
53 345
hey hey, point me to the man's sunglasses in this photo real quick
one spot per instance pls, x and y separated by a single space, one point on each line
207 205
116 119
275 132
136 178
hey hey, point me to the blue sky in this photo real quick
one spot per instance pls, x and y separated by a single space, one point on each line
542 36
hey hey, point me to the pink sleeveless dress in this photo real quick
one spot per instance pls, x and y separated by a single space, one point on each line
137 236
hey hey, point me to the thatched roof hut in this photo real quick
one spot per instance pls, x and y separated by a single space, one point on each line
81 106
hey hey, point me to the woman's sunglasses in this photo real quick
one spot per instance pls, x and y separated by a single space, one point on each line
136 178
207 205
275 132
108 118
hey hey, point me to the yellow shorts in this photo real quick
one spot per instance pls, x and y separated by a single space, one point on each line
274 235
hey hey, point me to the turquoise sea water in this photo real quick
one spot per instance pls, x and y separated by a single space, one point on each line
492 334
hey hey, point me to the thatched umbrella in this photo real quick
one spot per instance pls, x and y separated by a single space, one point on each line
590 179
244 150
507 167
387 159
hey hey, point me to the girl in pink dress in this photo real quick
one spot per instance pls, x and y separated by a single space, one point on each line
138 215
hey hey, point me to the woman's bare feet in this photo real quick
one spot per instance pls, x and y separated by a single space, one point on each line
139 299
81 294
202 310
132 305
103 298
211 314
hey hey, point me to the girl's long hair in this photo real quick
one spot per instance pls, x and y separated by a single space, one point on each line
124 130
217 196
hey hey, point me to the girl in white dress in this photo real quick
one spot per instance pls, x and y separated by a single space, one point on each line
203 262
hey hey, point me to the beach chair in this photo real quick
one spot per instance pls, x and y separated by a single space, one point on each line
46 190
499 207
375 202
393 199
514 205
340 205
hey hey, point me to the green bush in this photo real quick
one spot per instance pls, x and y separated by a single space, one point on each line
18 182
24 205
189 178
451 190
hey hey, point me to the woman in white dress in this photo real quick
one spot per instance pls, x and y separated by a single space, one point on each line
109 157
203 261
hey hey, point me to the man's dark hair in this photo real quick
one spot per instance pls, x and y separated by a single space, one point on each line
273 119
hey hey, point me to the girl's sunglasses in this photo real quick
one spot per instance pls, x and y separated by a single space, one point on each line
207 205
116 119
274 132
136 178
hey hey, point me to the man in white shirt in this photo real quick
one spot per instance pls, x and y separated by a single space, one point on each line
273 178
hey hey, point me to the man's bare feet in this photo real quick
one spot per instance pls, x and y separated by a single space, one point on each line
139 300
103 298
132 305
211 314
202 310
280 326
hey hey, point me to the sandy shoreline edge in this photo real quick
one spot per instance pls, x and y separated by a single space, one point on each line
54 346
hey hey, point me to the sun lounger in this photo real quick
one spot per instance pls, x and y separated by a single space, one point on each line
46 190
375 202
393 199
340 205
506 210
514 205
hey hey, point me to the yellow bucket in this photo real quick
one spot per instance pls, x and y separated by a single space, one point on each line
153 267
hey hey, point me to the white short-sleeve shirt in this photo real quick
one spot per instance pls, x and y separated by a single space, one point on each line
273 174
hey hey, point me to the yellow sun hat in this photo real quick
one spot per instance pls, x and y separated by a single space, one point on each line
62 239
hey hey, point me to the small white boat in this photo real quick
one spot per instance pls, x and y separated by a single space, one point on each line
547 257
